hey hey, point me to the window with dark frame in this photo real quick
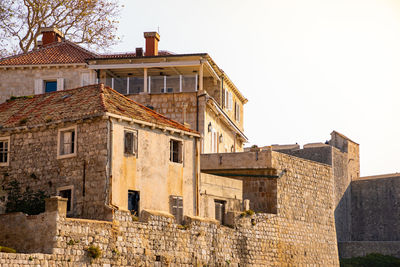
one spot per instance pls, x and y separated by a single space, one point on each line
133 202
220 210
176 151
130 142
4 151
50 86
67 142
177 208
67 193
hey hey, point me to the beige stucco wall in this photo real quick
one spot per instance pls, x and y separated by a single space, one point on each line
151 172
19 82
219 127
213 188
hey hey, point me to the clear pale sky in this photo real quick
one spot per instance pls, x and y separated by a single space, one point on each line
307 67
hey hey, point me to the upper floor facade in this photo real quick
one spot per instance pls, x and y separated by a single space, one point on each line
203 96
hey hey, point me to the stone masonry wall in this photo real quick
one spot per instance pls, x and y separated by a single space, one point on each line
20 82
301 233
34 164
375 209
173 106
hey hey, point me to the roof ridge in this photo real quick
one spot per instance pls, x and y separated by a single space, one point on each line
81 48
56 44
102 100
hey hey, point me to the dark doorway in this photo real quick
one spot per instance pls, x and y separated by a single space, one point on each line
133 202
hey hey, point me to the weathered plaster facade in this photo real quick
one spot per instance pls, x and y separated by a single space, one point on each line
21 81
150 171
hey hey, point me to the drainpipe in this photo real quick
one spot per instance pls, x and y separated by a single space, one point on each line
108 189
197 169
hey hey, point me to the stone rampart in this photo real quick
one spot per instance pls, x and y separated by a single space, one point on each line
301 233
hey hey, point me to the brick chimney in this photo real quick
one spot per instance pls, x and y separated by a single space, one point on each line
152 39
51 35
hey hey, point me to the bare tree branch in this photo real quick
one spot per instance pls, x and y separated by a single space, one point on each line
90 22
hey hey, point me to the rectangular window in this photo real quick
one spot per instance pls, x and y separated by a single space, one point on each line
176 203
67 142
237 112
176 151
130 142
133 202
50 86
67 192
220 210
4 151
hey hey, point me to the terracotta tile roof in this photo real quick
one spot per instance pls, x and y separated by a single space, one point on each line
59 53
130 54
75 104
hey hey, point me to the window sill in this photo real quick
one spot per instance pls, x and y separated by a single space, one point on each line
130 155
176 163
66 156
4 164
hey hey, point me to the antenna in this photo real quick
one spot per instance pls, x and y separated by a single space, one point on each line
158 29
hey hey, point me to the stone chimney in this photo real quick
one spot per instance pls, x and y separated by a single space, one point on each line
152 39
51 35
139 52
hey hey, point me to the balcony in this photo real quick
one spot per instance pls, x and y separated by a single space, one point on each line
155 84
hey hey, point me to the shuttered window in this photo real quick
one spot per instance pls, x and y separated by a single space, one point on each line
237 112
130 142
177 208
219 210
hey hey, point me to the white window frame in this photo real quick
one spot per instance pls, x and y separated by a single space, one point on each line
180 151
6 139
39 86
67 129
134 144
68 187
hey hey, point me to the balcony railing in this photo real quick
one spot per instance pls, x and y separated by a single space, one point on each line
155 84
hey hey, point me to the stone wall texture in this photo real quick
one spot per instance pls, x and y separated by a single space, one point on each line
302 232
34 164
376 209
20 82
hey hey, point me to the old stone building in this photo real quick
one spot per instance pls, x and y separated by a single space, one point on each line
100 150
188 88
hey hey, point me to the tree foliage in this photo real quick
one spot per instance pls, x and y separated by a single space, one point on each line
90 22
27 201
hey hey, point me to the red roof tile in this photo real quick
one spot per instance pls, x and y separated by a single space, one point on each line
75 104
59 53
130 54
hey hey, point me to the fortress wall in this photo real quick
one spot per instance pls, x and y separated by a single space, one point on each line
301 233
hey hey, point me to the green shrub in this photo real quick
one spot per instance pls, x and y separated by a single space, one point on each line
247 213
371 260
94 252
7 250
28 202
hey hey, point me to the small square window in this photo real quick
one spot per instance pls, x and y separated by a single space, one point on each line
176 151
67 142
4 151
130 142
